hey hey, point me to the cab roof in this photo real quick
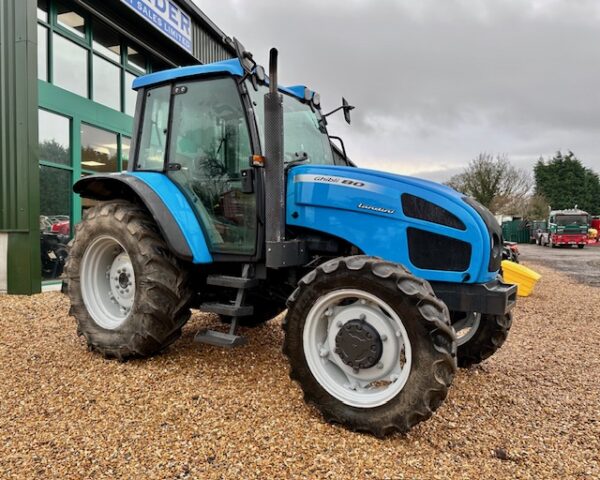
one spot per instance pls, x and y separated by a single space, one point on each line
230 67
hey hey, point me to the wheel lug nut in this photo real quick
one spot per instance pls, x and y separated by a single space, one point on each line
339 324
380 365
383 337
362 317
328 312
398 333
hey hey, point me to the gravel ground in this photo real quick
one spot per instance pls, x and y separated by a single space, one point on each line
582 265
531 411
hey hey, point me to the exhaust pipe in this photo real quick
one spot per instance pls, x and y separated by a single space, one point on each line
274 168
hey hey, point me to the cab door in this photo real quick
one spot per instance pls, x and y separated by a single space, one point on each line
209 146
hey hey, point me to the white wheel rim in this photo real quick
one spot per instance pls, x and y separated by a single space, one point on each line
369 387
107 282
466 327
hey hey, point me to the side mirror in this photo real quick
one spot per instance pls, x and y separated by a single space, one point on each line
347 108
260 74
244 56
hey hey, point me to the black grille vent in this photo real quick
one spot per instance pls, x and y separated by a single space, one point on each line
431 251
495 231
416 207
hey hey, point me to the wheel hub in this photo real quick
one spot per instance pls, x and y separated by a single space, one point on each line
122 282
358 344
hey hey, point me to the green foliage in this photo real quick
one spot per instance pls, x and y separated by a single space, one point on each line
495 183
565 182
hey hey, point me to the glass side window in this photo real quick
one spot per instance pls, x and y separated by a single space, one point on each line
70 20
153 140
98 149
210 141
301 131
70 65
54 138
107 83
42 52
130 94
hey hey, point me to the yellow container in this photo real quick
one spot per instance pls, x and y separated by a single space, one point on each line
523 277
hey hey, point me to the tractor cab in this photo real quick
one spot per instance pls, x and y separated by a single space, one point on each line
203 126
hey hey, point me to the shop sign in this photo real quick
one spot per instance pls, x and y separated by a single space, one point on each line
167 17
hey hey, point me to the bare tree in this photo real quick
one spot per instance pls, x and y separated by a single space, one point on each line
495 183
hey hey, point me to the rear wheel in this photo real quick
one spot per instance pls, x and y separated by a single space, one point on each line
479 336
369 344
580 246
129 294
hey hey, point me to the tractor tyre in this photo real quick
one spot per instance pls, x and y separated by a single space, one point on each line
369 344
483 337
129 295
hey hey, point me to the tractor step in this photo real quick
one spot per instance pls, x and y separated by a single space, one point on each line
228 309
219 339
231 282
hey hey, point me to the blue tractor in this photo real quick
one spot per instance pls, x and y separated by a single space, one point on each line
236 203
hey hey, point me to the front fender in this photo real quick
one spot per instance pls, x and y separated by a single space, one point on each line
165 202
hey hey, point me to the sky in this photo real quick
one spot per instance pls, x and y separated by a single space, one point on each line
436 82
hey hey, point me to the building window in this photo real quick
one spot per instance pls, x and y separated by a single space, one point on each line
70 20
89 58
55 219
125 148
136 60
55 191
42 52
107 83
130 94
42 10
98 150
107 41
69 66
54 138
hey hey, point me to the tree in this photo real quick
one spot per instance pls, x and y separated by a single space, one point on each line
566 183
495 183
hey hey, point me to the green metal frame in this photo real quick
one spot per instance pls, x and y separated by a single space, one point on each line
81 110
86 42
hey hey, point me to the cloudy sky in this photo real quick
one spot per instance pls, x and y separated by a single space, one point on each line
435 82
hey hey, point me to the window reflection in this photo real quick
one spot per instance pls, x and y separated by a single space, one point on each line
130 94
68 19
125 148
107 83
107 41
42 52
70 66
98 149
54 138
136 59
42 10
55 220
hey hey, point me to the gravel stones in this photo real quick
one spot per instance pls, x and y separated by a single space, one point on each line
196 411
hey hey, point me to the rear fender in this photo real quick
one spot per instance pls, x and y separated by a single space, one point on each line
165 202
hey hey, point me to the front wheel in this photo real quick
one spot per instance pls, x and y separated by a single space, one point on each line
129 294
479 336
369 344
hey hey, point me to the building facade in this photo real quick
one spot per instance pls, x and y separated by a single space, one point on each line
66 106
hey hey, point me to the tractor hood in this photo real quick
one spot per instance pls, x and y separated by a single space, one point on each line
438 233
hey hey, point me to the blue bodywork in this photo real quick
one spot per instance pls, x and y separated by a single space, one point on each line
182 212
316 201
